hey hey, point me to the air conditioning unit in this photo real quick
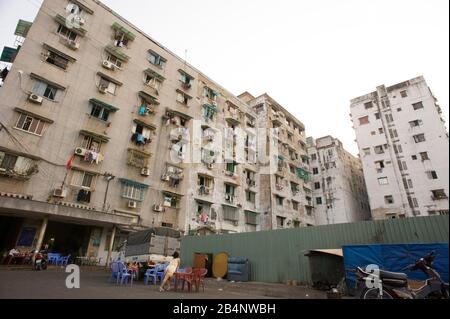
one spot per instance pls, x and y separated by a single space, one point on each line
73 45
209 166
210 138
145 171
35 98
60 192
81 21
108 65
132 204
102 89
80 151
165 178
158 208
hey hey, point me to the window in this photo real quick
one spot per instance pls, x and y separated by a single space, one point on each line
170 201
393 133
231 167
83 179
210 93
229 190
403 93
389 118
438 194
366 151
415 123
373 133
152 81
30 124
389 199
90 143
294 188
182 98
317 185
315 170
100 112
280 221
251 218
378 149
279 200
432 174
380 130
402 165
414 157
424 156
412 201
417 106
230 213
377 116
398 148
43 89
114 60
294 205
383 181
185 79
368 105
208 112
419 138
7 161
363 120
289 136
319 200
379 165
313 157
56 60
250 196
109 86
156 59
399 109
66 33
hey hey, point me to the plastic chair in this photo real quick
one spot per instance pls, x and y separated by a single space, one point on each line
53 258
181 276
63 261
152 274
124 274
200 278
160 274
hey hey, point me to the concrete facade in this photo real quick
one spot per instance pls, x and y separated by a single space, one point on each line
403 145
104 127
337 181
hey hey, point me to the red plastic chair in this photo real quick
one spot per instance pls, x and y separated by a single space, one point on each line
200 279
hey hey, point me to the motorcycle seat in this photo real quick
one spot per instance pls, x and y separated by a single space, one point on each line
393 275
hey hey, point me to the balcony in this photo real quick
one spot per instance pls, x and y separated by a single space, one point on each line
89 156
251 182
204 190
233 116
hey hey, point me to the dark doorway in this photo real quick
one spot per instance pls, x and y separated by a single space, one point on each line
9 231
67 238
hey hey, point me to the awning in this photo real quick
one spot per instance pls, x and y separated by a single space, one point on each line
52 49
62 20
83 6
35 115
180 114
117 53
210 107
22 28
9 54
130 182
147 125
103 104
101 137
168 193
103 75
128 34
40 78
204 201
303 174
336 252
148 97
139 152
154 74
251 211
230 205
187 75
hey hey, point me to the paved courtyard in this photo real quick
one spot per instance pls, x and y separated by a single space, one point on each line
25 283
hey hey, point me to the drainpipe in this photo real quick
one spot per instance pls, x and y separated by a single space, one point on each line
40 238
111 242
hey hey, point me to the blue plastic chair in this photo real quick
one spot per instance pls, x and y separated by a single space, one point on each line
154 273
124 274
63 261
161 272
53 258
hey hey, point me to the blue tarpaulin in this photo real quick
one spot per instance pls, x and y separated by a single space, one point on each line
394 257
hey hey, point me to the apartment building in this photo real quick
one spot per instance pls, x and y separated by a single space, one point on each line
337 180
403 145
104 131
285 188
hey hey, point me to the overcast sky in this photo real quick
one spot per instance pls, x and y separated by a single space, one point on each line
310 56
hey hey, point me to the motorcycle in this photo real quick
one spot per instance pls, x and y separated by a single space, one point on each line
394 285
40 261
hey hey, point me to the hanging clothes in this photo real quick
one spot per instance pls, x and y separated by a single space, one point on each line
84 196
142 110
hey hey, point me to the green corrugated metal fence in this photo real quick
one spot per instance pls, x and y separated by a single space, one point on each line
278 255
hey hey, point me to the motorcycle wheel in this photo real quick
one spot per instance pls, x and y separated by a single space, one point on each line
373 293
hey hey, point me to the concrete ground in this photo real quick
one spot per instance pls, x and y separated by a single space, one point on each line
22 282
